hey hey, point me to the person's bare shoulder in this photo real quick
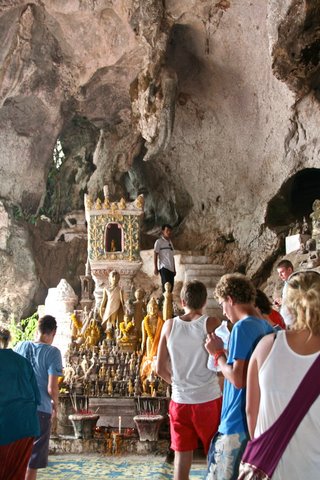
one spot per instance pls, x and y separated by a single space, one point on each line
212 324
166 328
263 348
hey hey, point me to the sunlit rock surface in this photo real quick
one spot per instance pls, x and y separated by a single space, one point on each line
205 107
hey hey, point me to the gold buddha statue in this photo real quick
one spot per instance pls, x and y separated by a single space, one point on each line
151 330
167 310
127 339
139 307
92 334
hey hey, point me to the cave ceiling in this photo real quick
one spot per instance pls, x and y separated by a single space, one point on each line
208 108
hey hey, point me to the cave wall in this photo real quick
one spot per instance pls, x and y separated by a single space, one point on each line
205 107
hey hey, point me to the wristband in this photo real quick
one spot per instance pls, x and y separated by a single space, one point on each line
217 355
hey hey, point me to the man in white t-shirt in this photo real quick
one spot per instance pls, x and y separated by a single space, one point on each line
284 269
164 257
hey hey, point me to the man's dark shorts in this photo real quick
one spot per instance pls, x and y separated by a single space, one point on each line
40 451
166 276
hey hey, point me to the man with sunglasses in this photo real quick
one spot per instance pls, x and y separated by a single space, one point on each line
164 257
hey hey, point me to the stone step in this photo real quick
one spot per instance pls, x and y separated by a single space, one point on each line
208 280
204 267
198 259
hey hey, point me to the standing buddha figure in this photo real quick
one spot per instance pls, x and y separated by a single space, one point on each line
167 310
151 330
139 307
111 308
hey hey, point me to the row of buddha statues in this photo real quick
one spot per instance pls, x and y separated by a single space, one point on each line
114 346
113 373
133 325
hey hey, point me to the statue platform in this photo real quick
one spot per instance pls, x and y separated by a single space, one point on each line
100 444
115 428
112 410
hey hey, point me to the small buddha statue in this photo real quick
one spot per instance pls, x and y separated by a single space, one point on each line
151 330
127 338
139 308
102 372
76 325
315 217
84 365
110 387
130 388
103 350
112 305
167 311
92 334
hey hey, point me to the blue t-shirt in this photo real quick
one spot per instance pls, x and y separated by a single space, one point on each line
19 397
46 360
244 337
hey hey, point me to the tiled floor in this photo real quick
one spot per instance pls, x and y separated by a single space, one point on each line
76 467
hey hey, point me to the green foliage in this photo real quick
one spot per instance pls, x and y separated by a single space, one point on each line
24 330
19 214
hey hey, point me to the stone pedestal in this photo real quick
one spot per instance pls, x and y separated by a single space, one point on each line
148 426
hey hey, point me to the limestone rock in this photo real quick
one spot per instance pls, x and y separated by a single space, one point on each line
221 98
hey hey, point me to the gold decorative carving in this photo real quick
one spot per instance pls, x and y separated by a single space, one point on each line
139 202
98 204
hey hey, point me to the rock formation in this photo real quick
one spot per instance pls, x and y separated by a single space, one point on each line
210 109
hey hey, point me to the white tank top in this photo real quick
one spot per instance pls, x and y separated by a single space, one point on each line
192 381
279 377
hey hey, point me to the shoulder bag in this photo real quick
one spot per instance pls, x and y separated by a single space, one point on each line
262 454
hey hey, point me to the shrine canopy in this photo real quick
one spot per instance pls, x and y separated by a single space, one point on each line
113 236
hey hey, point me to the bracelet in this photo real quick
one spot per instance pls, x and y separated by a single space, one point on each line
217 355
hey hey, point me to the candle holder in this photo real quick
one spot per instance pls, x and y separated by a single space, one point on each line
116 443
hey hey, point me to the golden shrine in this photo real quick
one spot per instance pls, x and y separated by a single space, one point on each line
113 240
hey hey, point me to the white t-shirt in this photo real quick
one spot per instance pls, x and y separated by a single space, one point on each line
284 311
164 249
279 377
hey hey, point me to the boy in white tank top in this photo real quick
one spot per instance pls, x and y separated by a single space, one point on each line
195 405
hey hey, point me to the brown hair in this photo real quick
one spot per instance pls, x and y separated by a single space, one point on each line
263 302
194 294
285 263
47 324
237 286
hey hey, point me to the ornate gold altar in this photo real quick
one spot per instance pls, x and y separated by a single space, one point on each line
113 240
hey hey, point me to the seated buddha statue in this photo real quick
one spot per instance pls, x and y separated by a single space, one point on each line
92 334
127 338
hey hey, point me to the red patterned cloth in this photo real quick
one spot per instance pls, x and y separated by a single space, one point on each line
14 459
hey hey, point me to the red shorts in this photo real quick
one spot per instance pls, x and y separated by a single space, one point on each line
191 422
14 458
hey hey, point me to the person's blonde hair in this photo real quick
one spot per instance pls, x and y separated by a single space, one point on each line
303 300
